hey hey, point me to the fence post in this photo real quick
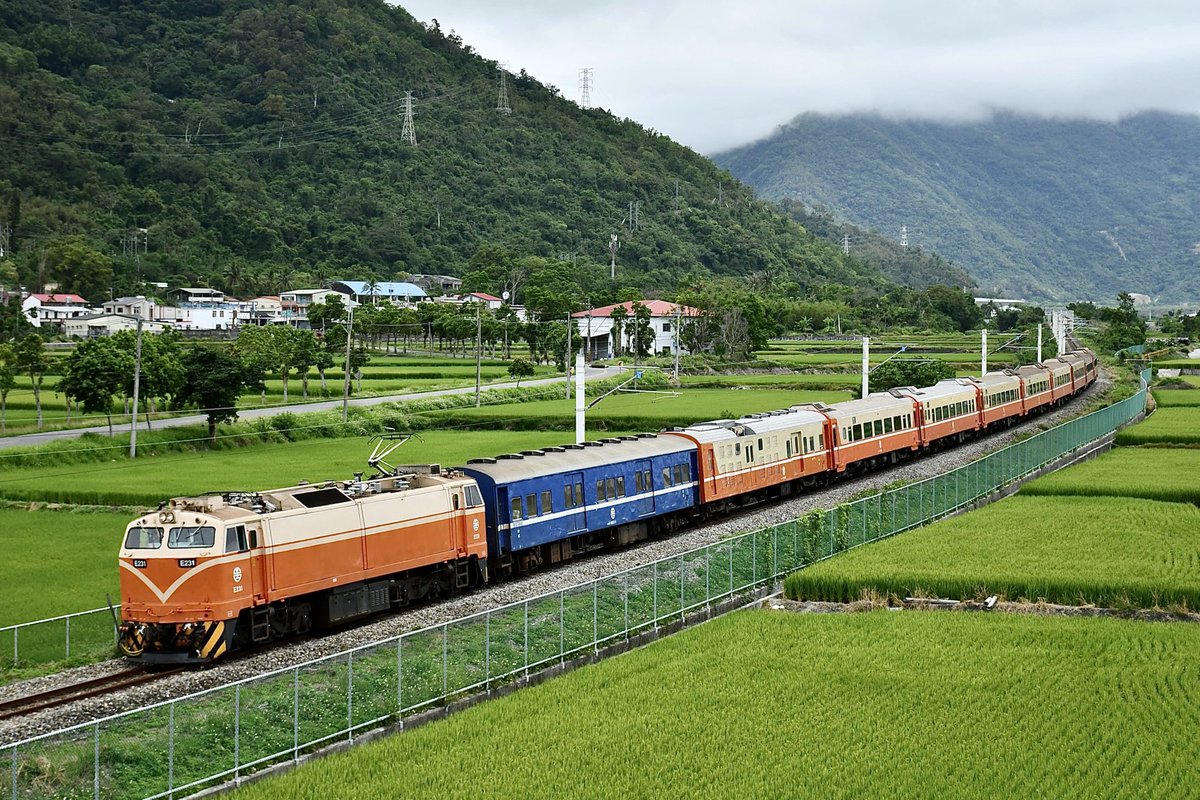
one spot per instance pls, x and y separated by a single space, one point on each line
596 617
95 767
13 753
171 751
400 681
625 598
68 636
526 605
487 651
681 599
296 715
654 581
562 644
237 732
731 541
707 573
350 696
446 661
16 649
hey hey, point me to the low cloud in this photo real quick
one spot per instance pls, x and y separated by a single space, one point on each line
714 77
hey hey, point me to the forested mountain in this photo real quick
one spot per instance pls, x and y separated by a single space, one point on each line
259 144
1037 208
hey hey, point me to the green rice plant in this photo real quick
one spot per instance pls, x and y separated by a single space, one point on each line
1156 473
1177 397
1180 426
886 705
1073 550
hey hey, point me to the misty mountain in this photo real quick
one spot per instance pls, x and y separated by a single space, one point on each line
1030 207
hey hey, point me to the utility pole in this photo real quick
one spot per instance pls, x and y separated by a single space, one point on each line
502 99
346 382
137 379
678 317
567 357
478 350
866 366
983 366
408 133
1039 353
580 425
585 87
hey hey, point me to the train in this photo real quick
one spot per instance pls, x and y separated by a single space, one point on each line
201 577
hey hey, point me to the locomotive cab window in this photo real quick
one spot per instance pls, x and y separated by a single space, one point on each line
144 539
235 539
192 536
474 498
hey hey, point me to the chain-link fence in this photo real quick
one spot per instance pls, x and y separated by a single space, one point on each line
79 636
180 746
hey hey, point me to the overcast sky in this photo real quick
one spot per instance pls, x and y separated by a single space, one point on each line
716 75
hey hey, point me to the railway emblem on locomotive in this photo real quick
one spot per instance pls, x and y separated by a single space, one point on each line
475 524
237 574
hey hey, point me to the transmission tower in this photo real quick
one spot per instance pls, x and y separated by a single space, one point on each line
846 244
502 99
585 87
904 236
408 133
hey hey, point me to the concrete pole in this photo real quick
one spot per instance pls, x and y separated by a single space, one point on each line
580 405
346 371
567 355
866 366
1039 357
983 367
137 376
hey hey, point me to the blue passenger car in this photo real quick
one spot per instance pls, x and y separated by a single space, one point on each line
617 486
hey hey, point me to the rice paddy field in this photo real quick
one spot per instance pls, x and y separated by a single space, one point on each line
771 704
1166 426
1177 397
152 478
1107 551
1152 473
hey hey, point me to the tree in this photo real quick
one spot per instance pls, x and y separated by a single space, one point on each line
520 368
79 267
8 379
255 346
641 334
618 316
305 354
214 380
909 372
95 374
31 359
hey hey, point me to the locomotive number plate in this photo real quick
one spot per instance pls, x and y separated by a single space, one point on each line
140 563
187 562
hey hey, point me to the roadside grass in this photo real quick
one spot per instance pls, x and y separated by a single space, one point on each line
152 478
1118 552
1178 425
1155 473
1176 397
885 705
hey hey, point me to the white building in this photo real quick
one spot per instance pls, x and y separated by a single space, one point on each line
595 327
53 310
107 324
395 292
137 306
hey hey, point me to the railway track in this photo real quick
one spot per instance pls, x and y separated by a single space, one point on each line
82 690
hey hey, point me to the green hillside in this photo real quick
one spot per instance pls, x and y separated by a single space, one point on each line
1037 208
260 146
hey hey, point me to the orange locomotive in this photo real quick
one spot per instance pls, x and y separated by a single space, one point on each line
205 575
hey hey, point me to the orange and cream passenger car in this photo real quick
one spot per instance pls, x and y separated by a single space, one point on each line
947 410
871 430
1035 386
1001 395
203 575
743 456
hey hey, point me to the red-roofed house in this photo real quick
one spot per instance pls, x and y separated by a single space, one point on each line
489 300
596 327
52 310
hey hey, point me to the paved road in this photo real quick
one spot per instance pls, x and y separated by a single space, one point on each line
28 439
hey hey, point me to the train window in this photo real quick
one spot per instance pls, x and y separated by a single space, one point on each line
620 486
666 476
687 473
856 433
737 448
547 502
600 498
516 508
637 482
474 498
820 440
649 484
143 539
454 501
531 509
567 499
678 474
760 445
235 539
610 488
578 494
253 538
887 424
878 427
788 449
192 536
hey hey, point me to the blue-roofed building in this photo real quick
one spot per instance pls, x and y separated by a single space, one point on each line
368 293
